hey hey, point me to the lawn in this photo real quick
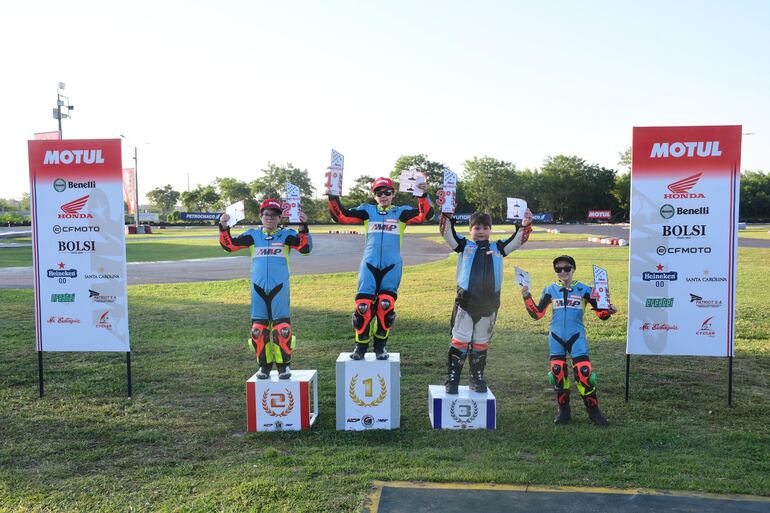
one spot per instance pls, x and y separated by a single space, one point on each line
180 445
756 232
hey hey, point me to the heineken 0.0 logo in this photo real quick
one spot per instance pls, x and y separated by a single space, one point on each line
463 413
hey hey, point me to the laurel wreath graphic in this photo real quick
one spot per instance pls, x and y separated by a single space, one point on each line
273 413
373 403
469 419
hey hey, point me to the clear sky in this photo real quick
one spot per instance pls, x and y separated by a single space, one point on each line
219 88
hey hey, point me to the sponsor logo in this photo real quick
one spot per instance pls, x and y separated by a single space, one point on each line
705 328
353 420
681 188
77 246
662 250
61 272
683 231
682 149
63 298
383 227
368 392
667 211
572 302
59 185
98 298
104 321
658 326
659 302
706 278
367 421
55 157
463 413
72 209
78 229
278 404
261 252
62 320
101 276
705 303
659 275
599 214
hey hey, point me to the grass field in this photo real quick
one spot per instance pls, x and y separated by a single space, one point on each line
756 232
180 445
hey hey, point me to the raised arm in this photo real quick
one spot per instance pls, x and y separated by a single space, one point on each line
536 311
423 213
515 241
301 240
342 215
601 313
454 241
230 243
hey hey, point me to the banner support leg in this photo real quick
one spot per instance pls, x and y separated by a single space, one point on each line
730 381
128 372
40 372
628 369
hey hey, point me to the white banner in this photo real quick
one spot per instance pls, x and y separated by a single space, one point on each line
334 174
79 245
293 203
684 215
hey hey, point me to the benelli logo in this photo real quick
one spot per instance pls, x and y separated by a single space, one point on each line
682 149
55 157
681 188
72 209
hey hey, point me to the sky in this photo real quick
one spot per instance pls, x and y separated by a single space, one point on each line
204 89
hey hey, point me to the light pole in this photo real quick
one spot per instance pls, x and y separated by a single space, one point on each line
61 101
136 184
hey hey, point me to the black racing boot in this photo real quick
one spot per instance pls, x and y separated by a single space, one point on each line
594 413
380 351
478 360
564 414
264 368
359 351
284 372
454 370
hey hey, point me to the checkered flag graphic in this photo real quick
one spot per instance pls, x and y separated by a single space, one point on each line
292 191
338 160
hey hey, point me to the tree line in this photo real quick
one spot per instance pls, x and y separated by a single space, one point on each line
565 186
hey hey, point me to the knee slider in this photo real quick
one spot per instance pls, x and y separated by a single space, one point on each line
386 310
557 376
362 316
585 376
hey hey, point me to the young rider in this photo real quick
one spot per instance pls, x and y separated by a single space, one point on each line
270 300
380 272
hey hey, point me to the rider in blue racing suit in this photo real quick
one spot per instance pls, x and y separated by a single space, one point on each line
270 300
380 272
568 335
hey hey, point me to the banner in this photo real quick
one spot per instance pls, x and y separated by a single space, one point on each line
48 136
599 214
684 215
129 188
78 245
200 216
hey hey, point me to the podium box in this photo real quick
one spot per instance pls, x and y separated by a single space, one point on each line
368 394
466 410
282 404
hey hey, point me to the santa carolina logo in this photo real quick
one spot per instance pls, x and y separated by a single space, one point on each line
72 209
680 189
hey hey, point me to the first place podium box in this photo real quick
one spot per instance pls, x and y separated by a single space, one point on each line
282 404
465 410
368 394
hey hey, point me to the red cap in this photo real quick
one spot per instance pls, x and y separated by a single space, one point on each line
270 203
382 182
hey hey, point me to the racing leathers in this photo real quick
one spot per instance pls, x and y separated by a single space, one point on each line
567 335
379 274
479 281
270 298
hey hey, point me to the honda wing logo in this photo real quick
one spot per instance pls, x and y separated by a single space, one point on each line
72 209
681 188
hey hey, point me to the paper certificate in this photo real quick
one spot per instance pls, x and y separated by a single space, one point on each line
447 195
334 174
237 212
601 290
516 208
293 203
522 277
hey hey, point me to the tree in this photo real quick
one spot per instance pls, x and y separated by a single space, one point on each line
163 198
273 182
433 170
569 187
622 193
624 158
203 198
487 182
755 196
231 190
361 192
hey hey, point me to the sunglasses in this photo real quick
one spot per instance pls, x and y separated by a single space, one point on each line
386 192
565 269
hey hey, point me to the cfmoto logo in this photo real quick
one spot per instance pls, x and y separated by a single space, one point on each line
59 185
667 211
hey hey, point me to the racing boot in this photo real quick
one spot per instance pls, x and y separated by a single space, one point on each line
264 368
359 351
564 414
380 352
454 370
478 360
283 342
594 413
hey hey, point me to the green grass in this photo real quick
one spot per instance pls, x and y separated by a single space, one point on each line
756 232
180 445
